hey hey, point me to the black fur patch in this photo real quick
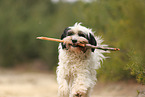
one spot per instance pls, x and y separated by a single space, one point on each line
92 41
63 36
65 33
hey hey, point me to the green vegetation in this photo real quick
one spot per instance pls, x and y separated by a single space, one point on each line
119 22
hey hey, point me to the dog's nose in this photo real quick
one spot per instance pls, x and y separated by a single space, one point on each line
74 40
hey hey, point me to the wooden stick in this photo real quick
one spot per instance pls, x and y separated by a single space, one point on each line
80 44
50 39
101 48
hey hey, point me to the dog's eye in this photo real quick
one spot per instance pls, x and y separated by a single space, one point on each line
70 33
81 34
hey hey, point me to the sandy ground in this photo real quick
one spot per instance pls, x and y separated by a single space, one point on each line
34 84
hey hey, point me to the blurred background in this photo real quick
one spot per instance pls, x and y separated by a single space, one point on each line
121 23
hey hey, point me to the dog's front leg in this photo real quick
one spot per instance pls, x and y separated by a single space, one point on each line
80 87
63 89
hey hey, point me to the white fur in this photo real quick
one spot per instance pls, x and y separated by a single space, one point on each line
77 26
76 72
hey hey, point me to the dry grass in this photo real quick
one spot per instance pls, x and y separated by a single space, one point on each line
34 84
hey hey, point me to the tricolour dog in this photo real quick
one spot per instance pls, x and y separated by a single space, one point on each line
76 73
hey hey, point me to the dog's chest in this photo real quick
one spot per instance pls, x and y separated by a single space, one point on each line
74 62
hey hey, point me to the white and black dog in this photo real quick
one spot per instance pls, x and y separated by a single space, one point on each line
76 73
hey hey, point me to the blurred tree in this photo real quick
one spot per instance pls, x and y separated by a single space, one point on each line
119 22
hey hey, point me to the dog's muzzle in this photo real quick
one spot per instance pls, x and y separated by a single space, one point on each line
74 43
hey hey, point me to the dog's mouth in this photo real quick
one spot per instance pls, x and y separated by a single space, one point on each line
75 45
78 47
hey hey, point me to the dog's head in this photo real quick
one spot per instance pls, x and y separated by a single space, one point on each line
78 34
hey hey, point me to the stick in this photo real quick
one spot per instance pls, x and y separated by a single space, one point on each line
102 48
51 39
80 44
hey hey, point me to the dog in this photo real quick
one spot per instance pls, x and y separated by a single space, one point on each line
76 71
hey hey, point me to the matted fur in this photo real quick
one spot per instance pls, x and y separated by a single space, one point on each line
76 72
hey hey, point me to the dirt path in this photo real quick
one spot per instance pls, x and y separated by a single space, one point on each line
20 84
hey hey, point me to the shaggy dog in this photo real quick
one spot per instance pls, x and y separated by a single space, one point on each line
76 73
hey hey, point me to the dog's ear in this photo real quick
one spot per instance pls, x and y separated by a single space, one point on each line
64 34
92 41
